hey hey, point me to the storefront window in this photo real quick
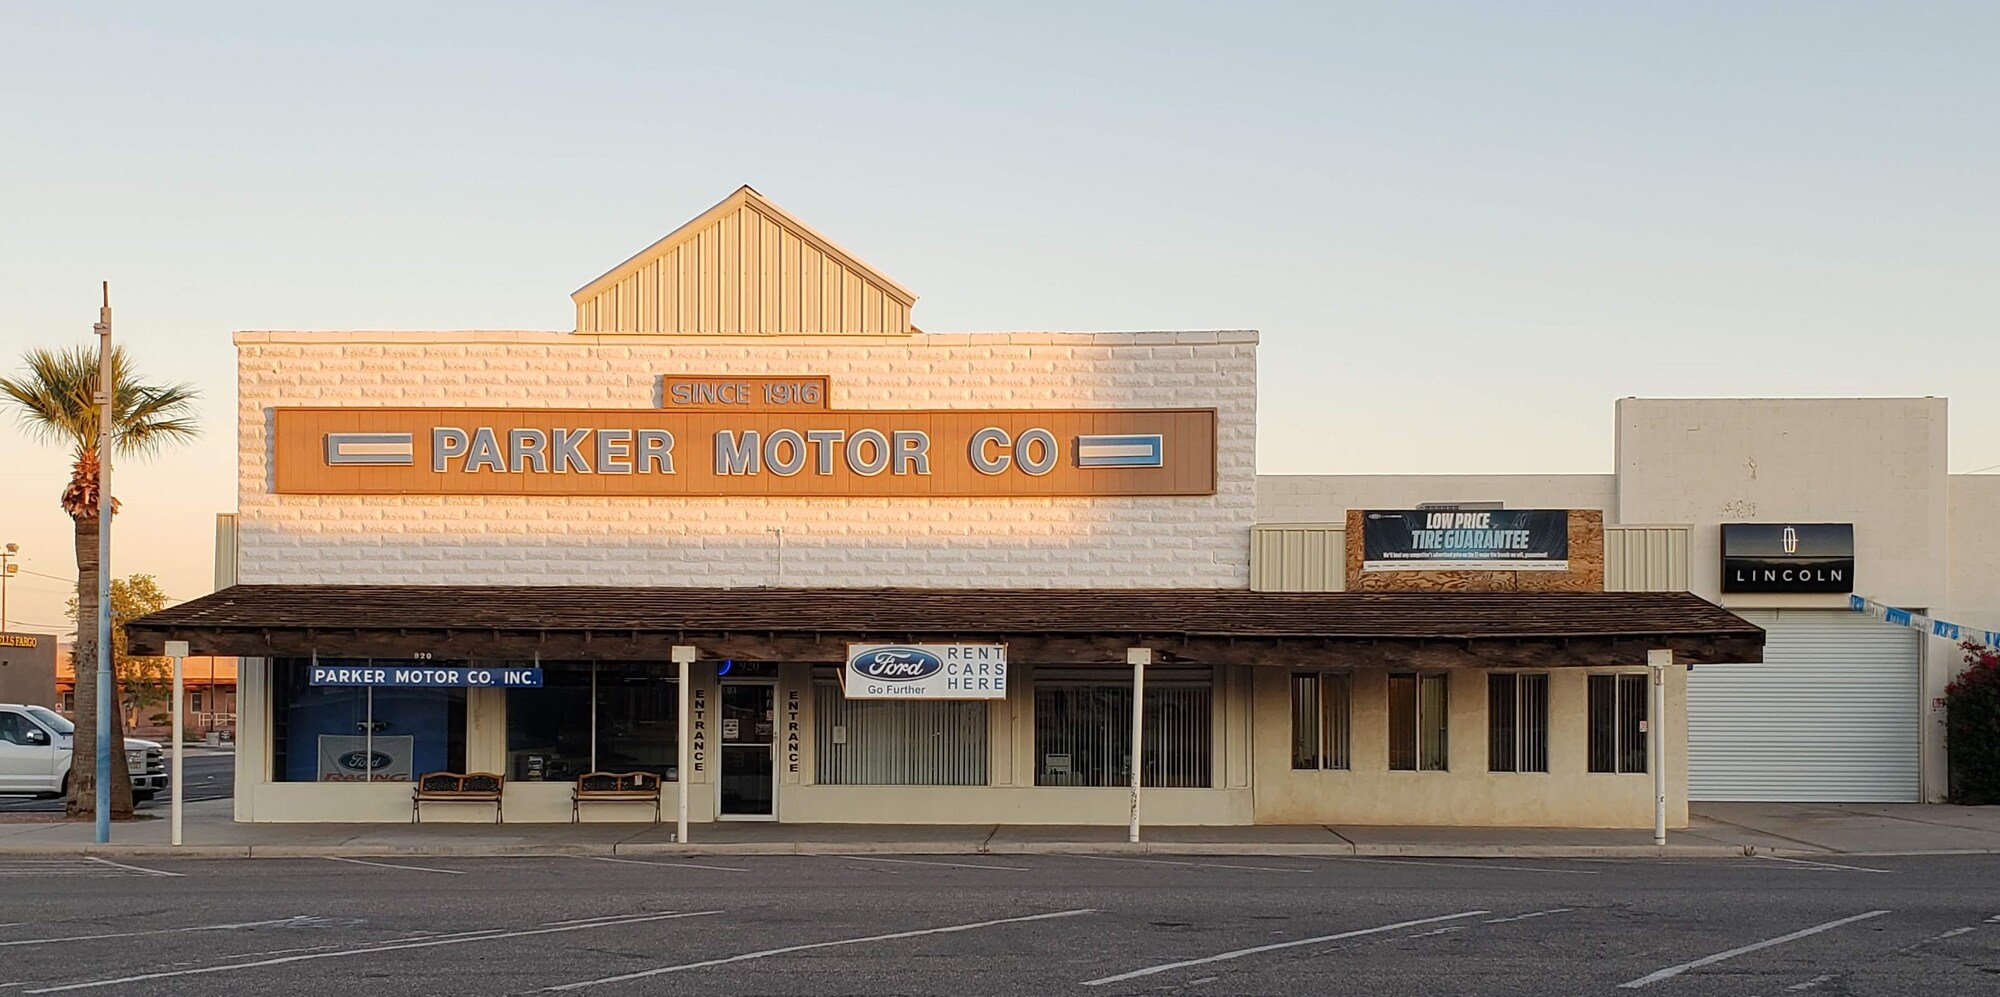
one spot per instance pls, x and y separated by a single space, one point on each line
1618 723
888 742
594 717
1419 722
323 733
1083 734
1321 705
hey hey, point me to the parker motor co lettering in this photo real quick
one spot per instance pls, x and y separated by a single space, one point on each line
780 452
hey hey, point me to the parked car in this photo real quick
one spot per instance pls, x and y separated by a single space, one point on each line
36 745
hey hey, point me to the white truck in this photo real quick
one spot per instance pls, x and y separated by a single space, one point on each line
36 750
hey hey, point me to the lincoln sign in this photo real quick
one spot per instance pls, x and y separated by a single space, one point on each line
1788 557
708 448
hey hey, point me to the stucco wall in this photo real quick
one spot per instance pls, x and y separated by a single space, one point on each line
1878 463
1325 498
1973 583
1467 795
1042 542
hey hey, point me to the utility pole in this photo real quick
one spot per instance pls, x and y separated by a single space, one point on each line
7 570
105 724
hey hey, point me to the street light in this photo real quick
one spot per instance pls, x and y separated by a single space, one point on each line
8 569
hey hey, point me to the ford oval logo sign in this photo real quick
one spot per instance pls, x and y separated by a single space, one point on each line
354 760
896 664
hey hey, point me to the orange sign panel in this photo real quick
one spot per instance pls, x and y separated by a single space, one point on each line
789 452
744 394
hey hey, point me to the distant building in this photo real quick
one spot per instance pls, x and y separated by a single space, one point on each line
27 668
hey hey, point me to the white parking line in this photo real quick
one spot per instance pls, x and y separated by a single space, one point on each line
1469 865
947 865
1672 971
135 934
477 936
1240 953
669 865
766 953
132 868
604 917
391 865
1195 865
1524 917
1821 865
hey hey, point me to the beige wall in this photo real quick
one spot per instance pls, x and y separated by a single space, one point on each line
1252 781
1878 463
1325 498
1467 794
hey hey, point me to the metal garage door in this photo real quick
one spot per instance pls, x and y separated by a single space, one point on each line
1829 717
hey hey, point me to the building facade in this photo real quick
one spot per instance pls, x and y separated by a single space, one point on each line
1844 708
480 551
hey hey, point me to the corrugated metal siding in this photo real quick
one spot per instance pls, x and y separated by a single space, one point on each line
1646 558
746 272
1298 557
225 550
1831 716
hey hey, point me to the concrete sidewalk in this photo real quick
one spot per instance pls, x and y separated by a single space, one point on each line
1719 830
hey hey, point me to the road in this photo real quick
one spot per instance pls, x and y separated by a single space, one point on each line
1001 925
210 776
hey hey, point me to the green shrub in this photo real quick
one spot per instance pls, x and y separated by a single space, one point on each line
1972 727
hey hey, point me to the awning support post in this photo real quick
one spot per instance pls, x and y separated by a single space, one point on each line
683 656
1659 660
178 651
1138 658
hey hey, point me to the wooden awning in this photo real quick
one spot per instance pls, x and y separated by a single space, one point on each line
1080 626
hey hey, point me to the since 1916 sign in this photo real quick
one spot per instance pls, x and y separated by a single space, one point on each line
925 671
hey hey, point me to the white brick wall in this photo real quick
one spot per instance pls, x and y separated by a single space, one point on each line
511 540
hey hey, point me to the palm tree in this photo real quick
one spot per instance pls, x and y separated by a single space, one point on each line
56 397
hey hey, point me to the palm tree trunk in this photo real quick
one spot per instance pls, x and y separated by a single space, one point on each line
83 763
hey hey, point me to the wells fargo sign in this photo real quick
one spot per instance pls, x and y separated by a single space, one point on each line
759 436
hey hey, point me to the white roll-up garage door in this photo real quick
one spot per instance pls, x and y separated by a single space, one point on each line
1829 717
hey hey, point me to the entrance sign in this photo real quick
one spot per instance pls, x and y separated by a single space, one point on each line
1794 557
713 447
925 671
426 676
1452 540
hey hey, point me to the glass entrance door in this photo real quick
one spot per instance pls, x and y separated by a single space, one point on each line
748 730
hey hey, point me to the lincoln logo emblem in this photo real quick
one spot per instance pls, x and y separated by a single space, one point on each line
1791 540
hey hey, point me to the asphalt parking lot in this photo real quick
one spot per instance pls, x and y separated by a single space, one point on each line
210 775
1000 925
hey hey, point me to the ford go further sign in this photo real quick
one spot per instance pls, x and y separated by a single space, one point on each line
926 671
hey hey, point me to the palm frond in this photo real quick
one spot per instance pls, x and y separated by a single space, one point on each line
55 396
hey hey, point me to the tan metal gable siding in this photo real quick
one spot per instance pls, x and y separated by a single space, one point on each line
746 272
1298 557
1646 558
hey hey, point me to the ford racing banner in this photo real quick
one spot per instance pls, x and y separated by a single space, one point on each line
1453 540
358 758
925 671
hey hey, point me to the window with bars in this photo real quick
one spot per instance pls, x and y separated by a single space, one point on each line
1618 715
1419 721
1083 735
1517 722
890 742
1322 705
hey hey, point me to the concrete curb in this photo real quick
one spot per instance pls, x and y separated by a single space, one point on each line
746 849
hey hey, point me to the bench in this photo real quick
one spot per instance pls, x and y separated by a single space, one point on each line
614 787
456 787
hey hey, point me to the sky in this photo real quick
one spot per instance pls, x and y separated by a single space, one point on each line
1463 229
